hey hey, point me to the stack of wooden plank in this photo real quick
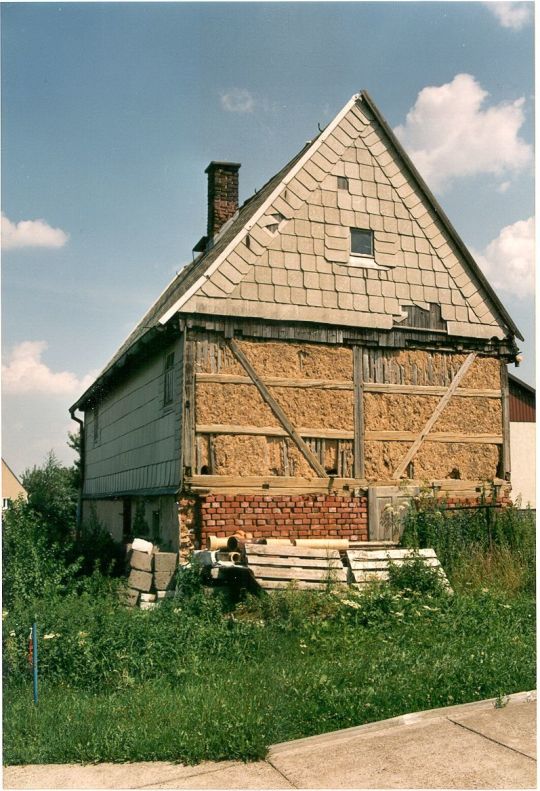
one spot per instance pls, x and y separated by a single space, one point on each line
275 566
366 566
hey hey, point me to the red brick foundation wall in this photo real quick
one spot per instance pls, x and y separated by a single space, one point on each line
284 516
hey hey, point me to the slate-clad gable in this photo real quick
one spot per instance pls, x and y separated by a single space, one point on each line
301 269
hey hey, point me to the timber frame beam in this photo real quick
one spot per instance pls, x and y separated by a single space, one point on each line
419 441
276 409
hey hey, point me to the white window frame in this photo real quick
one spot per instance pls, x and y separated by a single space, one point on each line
363 260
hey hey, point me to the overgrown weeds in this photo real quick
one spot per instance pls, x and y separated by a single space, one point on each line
477 547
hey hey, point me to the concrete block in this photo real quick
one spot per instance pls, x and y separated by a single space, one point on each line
148 605
162 579
140 580
131 597
165 561
148 596
141 545
140 560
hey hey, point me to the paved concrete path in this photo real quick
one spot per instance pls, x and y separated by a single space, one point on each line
472 746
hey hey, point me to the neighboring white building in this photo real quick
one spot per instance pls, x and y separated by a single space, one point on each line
523 441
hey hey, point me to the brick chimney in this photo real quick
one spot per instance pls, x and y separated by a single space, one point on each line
222 194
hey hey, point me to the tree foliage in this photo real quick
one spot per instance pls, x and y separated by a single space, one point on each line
52 496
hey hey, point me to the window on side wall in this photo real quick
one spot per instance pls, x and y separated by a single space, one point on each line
168 383
361 243
362 249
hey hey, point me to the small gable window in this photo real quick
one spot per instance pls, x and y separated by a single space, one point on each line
342 183
361 242
168 384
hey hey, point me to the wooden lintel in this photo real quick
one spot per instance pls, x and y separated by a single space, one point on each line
418 442
276 409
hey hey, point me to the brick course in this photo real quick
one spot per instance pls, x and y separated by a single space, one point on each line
285 516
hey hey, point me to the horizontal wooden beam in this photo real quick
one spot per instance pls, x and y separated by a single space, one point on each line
343 384
272 431
270 381
432 390
373 436
438 436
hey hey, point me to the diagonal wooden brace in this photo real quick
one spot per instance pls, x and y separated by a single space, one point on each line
277 410
417 444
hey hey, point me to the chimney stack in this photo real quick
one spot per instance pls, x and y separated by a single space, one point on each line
222 194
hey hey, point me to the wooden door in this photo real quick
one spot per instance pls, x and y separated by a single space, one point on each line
387 506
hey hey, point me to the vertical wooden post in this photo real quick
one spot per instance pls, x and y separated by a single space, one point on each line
188 408
506 466
358 412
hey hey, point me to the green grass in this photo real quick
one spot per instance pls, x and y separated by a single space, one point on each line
200 678
228 687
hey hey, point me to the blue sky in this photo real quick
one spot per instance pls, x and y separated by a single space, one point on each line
111 112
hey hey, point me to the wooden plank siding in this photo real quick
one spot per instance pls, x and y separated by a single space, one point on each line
136 446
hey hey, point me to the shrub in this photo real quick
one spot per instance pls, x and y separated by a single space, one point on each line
416 576
52 495
33 565
97 550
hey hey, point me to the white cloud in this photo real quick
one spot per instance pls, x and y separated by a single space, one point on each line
449 133
238 100
25 372
503 186
512 15
508 260
31 233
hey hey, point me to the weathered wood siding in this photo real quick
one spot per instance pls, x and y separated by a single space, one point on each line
135 447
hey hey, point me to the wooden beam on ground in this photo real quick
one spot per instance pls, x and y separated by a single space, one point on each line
358 413
417 444
276 409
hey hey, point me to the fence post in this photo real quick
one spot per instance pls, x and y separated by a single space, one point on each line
35 661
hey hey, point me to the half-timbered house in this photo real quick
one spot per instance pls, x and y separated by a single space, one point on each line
332 348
